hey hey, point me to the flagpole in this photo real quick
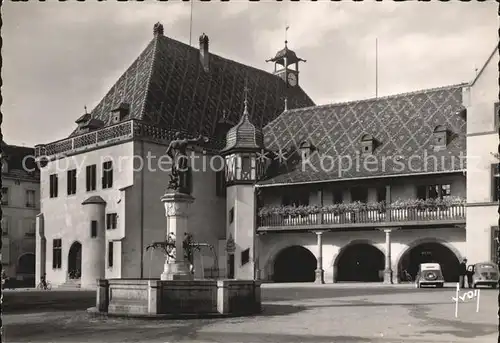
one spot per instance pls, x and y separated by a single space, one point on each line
191 22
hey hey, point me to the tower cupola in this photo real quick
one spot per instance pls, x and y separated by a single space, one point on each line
244 142
286 65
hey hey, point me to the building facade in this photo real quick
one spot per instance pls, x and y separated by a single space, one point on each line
284 190
20 205
481 100
101 187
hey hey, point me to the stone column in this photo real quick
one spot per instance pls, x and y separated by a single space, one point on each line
320 273
388 266
177 213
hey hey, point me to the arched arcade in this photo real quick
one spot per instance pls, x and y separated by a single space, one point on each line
294 264
360 261
430 251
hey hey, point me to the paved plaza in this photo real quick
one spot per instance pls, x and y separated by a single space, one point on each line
291 313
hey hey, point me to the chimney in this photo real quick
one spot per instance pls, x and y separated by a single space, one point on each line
204 56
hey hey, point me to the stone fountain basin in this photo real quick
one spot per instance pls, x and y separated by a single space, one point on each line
177 298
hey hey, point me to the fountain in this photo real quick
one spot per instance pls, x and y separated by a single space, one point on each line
177 293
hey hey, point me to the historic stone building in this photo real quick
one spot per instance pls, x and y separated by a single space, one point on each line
20 205
481 100
100 193
284 190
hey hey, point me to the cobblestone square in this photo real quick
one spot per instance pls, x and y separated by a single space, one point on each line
293 313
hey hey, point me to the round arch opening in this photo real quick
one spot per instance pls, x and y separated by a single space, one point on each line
430 252
26 264
360 262
75 261
294 264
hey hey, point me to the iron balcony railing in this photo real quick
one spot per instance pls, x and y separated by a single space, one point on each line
113 134
454 212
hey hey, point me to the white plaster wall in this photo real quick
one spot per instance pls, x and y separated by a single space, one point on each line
64 216
206 221
241 198
479 232
482 141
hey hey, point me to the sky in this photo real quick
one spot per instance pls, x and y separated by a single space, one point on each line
60 57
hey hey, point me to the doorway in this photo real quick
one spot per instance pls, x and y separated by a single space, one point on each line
75 261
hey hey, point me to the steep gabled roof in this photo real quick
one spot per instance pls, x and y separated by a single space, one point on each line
20 161
167 86
401 126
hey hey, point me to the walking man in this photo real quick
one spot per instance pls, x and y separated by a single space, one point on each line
463 273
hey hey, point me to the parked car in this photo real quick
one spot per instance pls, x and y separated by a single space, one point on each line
484 274
429 274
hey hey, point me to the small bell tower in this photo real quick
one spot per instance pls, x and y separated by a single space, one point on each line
243 168
286 65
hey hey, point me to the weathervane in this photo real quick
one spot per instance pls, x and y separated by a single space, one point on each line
245 90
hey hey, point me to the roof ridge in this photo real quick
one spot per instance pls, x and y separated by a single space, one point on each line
232 61
391 96
150 74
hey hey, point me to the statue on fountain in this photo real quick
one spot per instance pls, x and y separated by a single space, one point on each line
189 246
168 246
177 151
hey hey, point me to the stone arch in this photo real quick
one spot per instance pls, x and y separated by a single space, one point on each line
450 270
359 260
269 258
294 264
26 264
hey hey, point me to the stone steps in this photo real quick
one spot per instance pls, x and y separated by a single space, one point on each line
70 284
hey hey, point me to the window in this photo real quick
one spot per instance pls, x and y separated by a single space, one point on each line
93 228
107 174
296 198
230 266
110 254
425 192
440 137
54 183
30 198
29 227
220 183
91 177
231 215
494 244
56 253
338 197
359 194
381 194
5 196
111 221
71 181
245 256
495 175
5 226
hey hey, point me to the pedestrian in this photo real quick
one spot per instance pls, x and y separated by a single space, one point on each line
470 273
463 273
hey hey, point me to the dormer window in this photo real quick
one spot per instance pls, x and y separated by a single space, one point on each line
440 137
367 144
306 148
119 113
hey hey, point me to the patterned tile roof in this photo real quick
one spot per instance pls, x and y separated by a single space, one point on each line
402 127
167 86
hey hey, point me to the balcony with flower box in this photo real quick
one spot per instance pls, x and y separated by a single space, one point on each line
357 215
